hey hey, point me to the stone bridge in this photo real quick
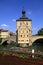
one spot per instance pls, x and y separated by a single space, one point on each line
13 38
34 38
9 39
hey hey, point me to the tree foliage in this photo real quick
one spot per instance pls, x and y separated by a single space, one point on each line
40 32
0 40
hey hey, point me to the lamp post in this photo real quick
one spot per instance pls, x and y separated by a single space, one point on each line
32 53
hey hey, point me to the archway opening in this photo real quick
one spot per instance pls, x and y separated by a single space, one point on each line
38 44
5 43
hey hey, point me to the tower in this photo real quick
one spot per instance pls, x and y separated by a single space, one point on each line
23 29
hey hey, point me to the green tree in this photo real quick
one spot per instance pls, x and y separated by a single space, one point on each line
40 32
0 40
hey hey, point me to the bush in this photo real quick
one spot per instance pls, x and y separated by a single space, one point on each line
23 55
0 40
38 56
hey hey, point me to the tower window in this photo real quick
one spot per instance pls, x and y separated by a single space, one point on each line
22 40
27 31
26 40
27 44
27 35
26 23
21 35
24 35
20 23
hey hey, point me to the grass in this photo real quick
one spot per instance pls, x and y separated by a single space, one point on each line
4 52
38 56
23 55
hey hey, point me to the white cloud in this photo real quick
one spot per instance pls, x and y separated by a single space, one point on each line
13 20
4 25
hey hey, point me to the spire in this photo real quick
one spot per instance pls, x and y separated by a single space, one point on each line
23 17
23 13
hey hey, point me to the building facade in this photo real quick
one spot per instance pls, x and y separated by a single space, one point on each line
23 29
4 33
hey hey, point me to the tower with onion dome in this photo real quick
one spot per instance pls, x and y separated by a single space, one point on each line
23 30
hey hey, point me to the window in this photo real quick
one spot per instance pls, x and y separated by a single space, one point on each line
26 23
21 35
26 40
27 31
27 44
27 35
20 23
22 40
24 35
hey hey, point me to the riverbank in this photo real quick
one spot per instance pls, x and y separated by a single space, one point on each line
16 60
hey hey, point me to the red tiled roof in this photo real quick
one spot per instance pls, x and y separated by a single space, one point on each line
11 33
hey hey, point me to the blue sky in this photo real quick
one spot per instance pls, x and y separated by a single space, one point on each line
10 10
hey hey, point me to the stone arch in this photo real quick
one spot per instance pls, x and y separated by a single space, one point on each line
33 38
39 40
3 40
5 43
11 39
38 44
